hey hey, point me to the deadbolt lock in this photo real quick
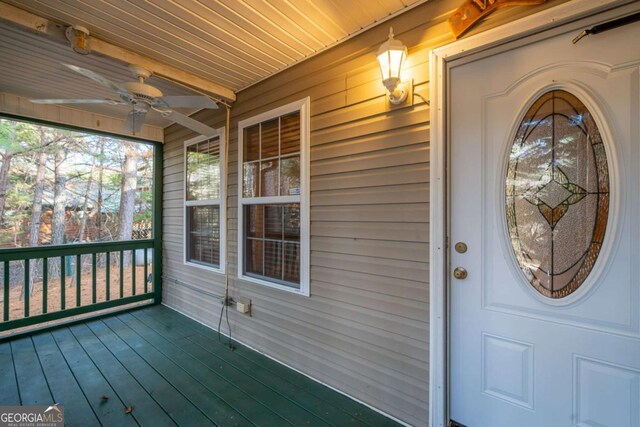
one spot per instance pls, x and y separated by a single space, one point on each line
460 273
461 247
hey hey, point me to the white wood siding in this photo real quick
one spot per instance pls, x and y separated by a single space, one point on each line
364 329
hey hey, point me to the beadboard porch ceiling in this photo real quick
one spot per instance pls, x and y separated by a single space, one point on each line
232 43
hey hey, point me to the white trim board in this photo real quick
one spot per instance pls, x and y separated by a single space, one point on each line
520 32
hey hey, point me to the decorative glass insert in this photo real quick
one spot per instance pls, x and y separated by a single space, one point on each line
557 194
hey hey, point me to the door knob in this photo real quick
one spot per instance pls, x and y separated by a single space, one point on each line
460 273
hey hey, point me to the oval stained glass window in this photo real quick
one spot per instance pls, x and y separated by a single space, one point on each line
557 194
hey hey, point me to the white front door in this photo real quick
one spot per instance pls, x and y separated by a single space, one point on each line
545 194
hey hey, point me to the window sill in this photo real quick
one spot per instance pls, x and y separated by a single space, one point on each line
302 291
204 267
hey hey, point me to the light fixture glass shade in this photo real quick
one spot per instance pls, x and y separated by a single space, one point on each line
79 39
391 55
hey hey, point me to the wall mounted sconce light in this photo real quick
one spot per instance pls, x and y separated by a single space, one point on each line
391 55
79 39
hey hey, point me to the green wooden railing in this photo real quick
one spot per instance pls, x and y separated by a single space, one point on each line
63 272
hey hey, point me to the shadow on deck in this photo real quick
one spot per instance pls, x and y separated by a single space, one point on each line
170 370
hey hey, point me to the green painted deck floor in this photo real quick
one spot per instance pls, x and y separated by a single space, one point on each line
170 370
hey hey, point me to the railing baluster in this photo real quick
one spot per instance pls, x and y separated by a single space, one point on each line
63 284
78 279
133 271
108 276
7 276
94 281
27 291
45 283
39 262
146 272
121 274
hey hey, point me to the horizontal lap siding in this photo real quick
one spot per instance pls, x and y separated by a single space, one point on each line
364 330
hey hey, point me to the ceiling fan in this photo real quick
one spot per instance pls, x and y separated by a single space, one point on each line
142 97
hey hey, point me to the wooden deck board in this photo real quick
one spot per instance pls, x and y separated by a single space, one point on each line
65 393
208 400
171 370
9 393
337 400
146 410
171 400
243 396
92 382
34 389
204 348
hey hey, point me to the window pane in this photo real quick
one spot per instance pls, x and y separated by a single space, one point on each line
203 170
212 169
290 133
252 143
273 259
273 222
292 222
203 234
253 260
292 262
270 139
280 242
269 178
253 220
290 176
192 164
250 179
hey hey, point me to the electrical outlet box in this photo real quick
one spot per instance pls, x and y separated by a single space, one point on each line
243 306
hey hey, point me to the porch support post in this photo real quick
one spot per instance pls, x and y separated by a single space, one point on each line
157 221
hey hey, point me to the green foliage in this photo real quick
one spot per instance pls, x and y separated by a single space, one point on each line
91 166
144 200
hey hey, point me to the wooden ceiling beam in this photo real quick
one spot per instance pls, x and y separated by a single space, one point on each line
24 20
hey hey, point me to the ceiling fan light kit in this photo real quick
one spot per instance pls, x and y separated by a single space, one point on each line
141 97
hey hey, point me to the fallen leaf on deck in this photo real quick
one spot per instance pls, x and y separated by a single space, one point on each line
104 398
128 409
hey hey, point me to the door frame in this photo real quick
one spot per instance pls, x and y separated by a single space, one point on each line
527 30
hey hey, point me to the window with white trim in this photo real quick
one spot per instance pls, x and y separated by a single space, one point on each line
273 210
204 202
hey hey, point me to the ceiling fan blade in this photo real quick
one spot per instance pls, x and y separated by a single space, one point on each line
97 78
190 123
134 121
77 101
189 102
